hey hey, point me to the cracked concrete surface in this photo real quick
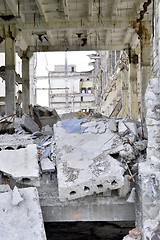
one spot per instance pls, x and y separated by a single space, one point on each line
21 165
20 215
84 155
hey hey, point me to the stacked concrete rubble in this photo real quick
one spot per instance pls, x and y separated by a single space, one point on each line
31 146
46 115
24 156
90 155
94 155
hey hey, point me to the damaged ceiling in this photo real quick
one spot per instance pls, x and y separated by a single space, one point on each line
47 25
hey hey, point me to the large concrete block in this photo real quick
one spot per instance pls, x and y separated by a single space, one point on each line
83 163
21 165
21 216
47 165
29 124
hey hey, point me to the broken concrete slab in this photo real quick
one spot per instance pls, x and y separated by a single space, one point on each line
97 177
113 125
47 116
46 153
47 128
14 141
47 165
83 165
132 127
132 196
126 188
94 126
122 129
29 124
22 220
21 165
128 152
16 197
141 145
101 127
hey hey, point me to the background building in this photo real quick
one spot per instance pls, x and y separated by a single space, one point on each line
66 92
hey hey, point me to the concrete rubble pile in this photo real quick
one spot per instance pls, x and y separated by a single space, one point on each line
21 165
25 154
46 115
32 147
96 155
89 155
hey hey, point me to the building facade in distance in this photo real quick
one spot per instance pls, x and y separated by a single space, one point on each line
69 91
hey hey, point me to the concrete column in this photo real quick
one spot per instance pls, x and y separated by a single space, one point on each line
9 75
133 93
149 178
25 85
25 56
148 190
125 102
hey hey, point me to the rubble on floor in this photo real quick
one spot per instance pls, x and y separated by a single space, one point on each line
46 115
47 165
89 155
93 155
21 165
21 216
29 124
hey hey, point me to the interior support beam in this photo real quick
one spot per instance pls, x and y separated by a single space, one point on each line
25 56
90 10
15 9
41 9
63 9
107 24
146 54
93 47
133 88
9 75
25 85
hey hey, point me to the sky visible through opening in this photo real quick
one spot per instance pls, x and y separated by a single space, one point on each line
46 61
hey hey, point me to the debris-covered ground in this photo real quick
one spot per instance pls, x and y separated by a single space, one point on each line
88 154
94 155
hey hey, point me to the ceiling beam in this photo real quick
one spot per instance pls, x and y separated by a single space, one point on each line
14 6
75 47
63 9
76 26
90 10
41 10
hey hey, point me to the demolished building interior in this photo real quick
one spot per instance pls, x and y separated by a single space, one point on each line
82 176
